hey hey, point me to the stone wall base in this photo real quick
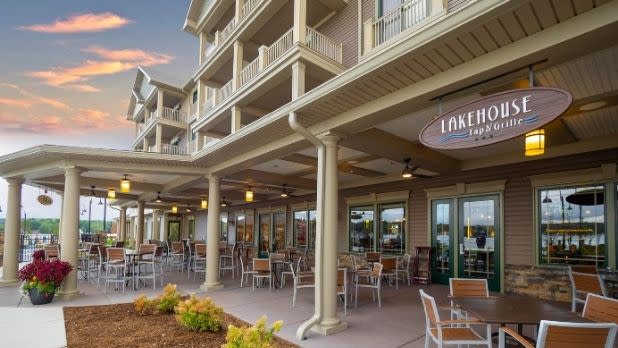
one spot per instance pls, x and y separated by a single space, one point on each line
548 283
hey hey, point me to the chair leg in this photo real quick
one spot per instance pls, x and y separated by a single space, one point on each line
294 297
356 296
379 298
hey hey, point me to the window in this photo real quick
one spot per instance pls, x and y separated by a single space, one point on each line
361 229
194 98
249 224
223 231
392 228
388 235
191 229
572 225
304 226
386 6
240 228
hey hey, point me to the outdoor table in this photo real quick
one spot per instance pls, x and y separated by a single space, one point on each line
276 264
517 310
132 256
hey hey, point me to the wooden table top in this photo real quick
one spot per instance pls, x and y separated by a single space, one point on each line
516 310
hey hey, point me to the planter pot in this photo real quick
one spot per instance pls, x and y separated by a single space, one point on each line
38 298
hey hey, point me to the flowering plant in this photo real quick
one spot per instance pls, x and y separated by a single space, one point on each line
256 336
44 275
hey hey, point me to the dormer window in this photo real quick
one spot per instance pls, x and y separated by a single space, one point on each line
194 99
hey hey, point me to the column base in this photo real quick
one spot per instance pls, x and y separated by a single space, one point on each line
327 329
8 283
211 287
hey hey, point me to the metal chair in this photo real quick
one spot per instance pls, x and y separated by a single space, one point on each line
116 264
584 284
301 281
566 334
262 269
601 309
371 280
199 259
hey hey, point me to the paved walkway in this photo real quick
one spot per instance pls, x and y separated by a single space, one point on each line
399 323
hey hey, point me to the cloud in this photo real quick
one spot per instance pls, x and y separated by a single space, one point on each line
19 103
31 99
81 23
138 56
83 88
31 125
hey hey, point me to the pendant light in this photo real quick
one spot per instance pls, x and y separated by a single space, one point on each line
406 173
188 208
111 193
249 195
547 199
92 193
174 209
535 142
100 201
284 191
158 200
204 203
125 184
223 202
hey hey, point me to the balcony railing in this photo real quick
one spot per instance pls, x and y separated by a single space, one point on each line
248 7
250 71
224 92
223 34
324 45
280 46
152 148
209 51
209 104
400 19
173 149
174 115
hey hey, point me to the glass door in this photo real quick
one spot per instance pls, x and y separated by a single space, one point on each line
479 239
312 228
392 228
361 229
173 231
300 229
266 227
441 240
240 228
279 232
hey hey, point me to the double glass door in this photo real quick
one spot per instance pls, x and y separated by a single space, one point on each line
472 233
272 233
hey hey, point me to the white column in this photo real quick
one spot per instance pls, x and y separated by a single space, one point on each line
438 7
203 43
70 227
11 232
262 57
299 30
212 236
146 144
159 138
159 104
139 238
201 98
61 194
236 118
330 322
122 228
298 79
163 236
237 65
239 5
156 224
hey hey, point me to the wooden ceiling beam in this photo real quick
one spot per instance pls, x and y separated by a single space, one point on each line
251 176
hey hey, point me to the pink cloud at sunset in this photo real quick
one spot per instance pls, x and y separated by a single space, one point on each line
81 23
30 100
131 55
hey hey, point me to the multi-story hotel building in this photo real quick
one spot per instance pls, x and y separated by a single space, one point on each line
315 107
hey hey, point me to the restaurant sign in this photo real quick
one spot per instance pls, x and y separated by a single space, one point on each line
495 118
45 199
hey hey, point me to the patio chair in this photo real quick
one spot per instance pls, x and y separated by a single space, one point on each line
371 280
178 256
566 334
245 270
403 268
190 257
301 281
446 332
262 270
153 265
466 287
584 284
115 267
371 256
389 269
52 251
295 265
342 288
101 264
601 309
199 259
227 261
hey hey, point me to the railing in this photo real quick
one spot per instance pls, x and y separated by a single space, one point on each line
29 243
249 6
280 46
174 115
209 104
324 45
152 148
250 71
192 147
224 92
173 149
209 50
402 18
223 34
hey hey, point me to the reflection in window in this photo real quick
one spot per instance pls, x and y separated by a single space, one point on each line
361 229
249 227
392 228
279 235
265 228
572 225
223 230
240 228
300 229
312 227
441 227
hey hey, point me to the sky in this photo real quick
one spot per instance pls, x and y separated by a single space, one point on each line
67 68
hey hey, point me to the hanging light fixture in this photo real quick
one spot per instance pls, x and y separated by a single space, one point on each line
174 209
111 193
100 201
547 199
204 203
125 184
158 200
406 173
92 193
188 208
284 191
223 202
249 195
535 142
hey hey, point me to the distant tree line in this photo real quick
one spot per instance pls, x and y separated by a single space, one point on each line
52 226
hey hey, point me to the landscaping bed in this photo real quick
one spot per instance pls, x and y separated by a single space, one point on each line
120 326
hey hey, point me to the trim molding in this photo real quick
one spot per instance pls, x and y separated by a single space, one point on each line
462 189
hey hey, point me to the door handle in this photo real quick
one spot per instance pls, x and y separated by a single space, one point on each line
461 249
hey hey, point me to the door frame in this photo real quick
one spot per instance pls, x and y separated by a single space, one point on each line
169 223
442 278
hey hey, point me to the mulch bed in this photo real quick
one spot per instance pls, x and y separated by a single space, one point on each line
119 326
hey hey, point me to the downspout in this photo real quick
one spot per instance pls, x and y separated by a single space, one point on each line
319 312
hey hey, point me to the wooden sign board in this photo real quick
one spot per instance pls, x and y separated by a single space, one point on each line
45 199
495 118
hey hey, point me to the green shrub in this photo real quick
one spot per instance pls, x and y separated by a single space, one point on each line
169 299
199 314
144 305
256 336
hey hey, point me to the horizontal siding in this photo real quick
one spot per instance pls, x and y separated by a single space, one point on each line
343 28
454 5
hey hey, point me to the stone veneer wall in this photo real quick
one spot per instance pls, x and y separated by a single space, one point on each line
548 283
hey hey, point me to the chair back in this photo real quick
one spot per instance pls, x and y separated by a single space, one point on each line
276 257
372 256
93 249
52 250
200 250
177 247
147 248
565 334
261 265
345 260
586 282
342 280
376 271
102 253
119 244
465 287
158 252
389 264
115 254
601 309
358 261
590 269
431 314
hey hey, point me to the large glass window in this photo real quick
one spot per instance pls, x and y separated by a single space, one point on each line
265 230
361 229
572 225
300 228
392 228
240 228
249 227
223 230
312 228
191 229
441 227
279 232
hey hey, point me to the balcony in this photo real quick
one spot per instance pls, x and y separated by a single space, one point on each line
169 117
173 149
406 16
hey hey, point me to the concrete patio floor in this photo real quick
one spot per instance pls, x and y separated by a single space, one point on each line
399 323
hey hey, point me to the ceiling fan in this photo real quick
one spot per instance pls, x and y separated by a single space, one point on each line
410 171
